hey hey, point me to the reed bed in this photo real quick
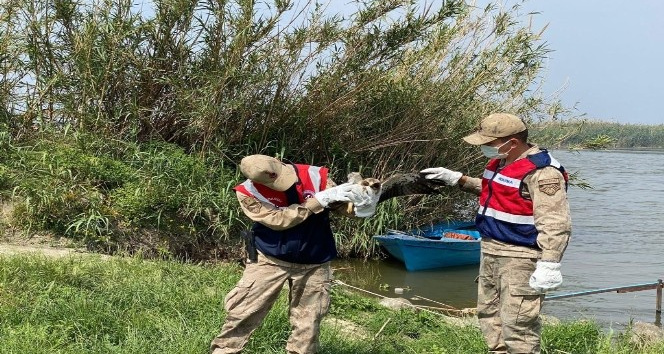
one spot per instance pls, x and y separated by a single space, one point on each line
123 126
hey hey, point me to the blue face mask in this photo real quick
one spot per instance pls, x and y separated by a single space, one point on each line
492 152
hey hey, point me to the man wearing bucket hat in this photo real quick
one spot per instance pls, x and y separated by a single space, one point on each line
525 225
289 205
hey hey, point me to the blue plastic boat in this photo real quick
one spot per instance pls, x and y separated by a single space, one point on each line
431 247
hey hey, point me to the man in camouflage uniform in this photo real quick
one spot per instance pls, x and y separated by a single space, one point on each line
289 205
525 225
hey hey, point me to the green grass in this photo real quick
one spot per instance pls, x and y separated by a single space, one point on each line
85 304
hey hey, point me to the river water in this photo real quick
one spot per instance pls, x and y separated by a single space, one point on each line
617 240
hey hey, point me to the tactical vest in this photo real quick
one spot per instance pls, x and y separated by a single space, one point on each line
504 213
310 242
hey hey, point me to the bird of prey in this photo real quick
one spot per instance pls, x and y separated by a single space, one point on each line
402 184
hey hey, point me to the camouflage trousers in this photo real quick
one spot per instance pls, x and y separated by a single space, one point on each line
507 307
253 296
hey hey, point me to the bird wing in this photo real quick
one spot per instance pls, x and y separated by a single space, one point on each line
407 184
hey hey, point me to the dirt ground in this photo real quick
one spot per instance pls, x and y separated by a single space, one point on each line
13 241
45 250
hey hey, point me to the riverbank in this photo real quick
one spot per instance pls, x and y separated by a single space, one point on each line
83 303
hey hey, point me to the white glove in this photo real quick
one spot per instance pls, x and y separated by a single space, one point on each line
361 195
546 276
451 178
364 199
340 193
366 207
365 211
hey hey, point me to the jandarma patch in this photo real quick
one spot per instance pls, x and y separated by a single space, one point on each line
549 186
252 205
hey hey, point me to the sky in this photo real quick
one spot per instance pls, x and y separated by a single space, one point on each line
608 55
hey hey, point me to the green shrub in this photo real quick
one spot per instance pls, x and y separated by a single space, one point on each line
63 189
104 197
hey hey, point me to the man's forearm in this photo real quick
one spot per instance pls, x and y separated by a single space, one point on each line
278 218
470 184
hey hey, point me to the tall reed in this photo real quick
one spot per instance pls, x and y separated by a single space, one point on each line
393 86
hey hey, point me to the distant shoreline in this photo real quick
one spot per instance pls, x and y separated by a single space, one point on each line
632 149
